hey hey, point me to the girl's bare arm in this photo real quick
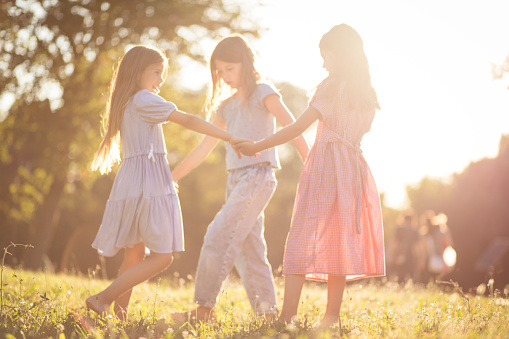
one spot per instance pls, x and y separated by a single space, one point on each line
284 135
199 125
199 153
277 108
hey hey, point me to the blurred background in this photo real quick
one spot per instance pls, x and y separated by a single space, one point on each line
440 142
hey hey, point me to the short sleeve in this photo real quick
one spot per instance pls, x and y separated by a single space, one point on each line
151 108
265 90
319 100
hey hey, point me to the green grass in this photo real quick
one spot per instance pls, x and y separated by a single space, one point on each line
36 305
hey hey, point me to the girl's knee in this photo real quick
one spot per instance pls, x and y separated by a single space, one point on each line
134 254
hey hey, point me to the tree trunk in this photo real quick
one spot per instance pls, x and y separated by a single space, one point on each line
43 225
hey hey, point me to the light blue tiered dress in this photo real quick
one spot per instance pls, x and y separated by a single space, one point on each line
143 205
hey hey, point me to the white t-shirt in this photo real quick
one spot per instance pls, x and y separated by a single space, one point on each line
252 121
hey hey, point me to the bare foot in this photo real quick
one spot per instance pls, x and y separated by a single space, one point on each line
95 304
284 320
201 313
328 322
269 316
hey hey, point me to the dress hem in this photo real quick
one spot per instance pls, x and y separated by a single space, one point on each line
349 277
113 253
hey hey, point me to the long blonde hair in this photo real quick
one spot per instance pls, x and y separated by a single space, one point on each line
233 49
351 66
124 84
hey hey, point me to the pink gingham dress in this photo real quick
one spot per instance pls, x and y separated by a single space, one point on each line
337 221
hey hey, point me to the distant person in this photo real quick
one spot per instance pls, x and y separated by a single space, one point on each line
143 209
436 247
336 232
235 238
403 249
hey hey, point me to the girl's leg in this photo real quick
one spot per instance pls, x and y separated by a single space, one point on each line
248 192
335 288
256 273
132 256
134 275
293 289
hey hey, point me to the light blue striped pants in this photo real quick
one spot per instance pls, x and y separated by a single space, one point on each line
236 238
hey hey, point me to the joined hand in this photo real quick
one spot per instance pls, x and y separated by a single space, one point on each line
244 146
247 148
234 141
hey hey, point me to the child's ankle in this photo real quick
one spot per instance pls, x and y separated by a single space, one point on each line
204 309
285 319
330 320
205 313
98 305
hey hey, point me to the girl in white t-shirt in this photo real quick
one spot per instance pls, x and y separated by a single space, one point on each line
235 236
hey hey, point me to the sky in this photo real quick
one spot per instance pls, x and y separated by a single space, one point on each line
430 63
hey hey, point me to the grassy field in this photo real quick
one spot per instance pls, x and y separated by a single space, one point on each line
39 305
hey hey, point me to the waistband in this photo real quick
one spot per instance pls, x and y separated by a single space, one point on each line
329 136
259 164
149 154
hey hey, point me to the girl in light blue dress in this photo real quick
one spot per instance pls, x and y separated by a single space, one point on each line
143 209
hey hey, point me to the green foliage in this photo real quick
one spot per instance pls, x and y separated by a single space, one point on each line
27 193
43 305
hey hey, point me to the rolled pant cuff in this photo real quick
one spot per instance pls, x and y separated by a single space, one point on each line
205 304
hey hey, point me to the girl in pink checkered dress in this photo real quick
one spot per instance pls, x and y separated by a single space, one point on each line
336 233
244 105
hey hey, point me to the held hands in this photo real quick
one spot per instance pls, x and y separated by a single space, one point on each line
246 148
236 142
